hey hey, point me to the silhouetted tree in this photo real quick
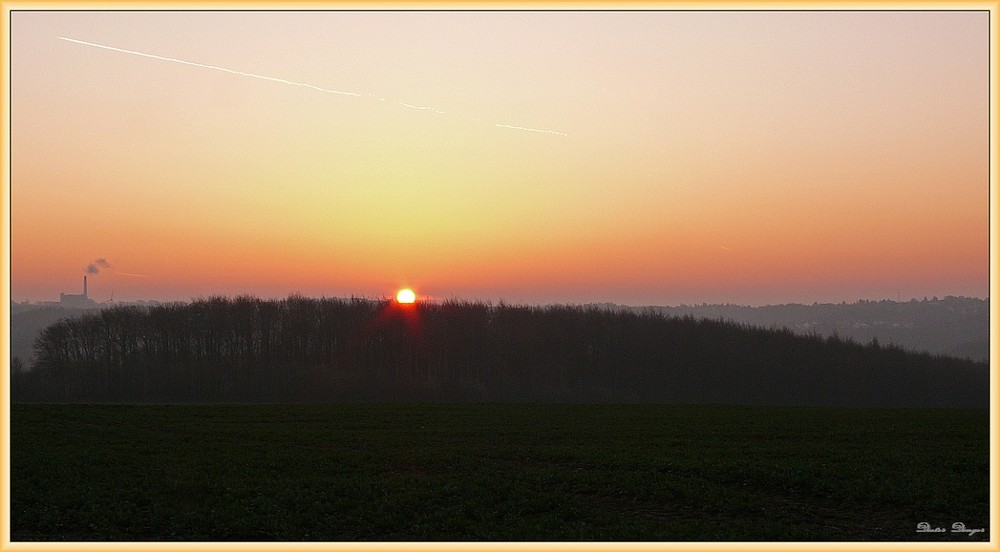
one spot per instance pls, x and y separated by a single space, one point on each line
301 349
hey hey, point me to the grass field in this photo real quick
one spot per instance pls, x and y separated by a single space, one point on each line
512 472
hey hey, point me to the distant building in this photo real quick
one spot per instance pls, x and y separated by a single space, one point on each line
76 300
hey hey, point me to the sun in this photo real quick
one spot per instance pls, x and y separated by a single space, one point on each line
406 295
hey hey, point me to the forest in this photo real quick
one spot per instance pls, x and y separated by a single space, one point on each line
302 350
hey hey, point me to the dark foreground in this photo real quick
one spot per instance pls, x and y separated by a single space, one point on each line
511 472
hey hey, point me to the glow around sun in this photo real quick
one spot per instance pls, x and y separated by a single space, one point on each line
406 295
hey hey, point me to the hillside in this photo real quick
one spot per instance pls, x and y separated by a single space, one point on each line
310 350
952 326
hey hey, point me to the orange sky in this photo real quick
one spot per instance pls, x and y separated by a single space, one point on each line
685 157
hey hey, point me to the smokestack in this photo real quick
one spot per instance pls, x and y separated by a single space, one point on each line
84 287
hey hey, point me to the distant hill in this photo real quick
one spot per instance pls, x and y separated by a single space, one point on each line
27 321
954 326
311 350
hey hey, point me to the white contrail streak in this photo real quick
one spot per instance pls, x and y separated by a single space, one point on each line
283 81
213 67
416 106
421 107
531 129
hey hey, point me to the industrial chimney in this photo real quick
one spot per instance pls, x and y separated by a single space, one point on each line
84 287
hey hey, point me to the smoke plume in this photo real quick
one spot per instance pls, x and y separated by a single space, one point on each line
97 265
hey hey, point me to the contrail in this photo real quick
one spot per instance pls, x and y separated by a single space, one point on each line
420 107
212 67
532 129
283 81
132 274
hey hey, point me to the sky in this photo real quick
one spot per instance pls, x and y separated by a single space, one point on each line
644 158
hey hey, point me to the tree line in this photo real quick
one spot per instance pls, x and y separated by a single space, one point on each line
246 349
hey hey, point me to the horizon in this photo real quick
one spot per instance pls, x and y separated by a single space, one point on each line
569 157
423 298
103 292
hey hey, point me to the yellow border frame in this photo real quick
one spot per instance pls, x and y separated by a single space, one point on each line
7 7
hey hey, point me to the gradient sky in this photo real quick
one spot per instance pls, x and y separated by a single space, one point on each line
744 157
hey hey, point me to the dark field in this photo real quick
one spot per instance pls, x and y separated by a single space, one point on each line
511 472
